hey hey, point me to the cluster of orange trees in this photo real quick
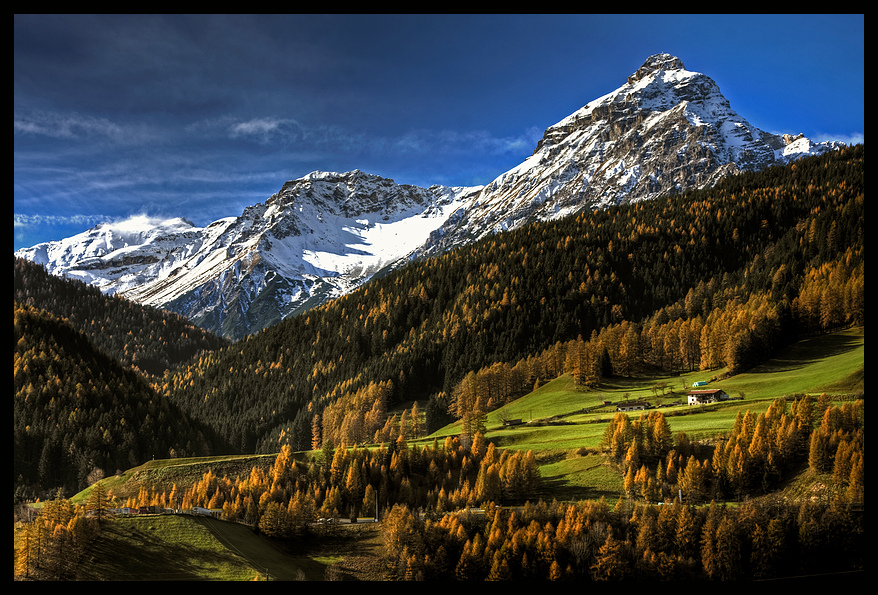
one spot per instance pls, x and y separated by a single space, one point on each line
645 538
54 542
590 541
838 445
753 458
363 417
350 483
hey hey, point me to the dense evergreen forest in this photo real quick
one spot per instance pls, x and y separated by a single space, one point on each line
79 414
82 405
592 541
703 280
146 339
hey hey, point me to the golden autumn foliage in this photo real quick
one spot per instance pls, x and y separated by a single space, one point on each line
589 541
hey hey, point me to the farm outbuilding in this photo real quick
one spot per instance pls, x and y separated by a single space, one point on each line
632 406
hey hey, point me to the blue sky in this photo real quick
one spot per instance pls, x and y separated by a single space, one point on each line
200 116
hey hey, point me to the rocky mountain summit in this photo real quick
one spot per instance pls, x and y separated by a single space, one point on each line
666 130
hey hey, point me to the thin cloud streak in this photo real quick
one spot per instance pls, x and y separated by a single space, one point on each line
427 141
71 125
24 221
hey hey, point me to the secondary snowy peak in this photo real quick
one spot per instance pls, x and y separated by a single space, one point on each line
119 255
347 226
665 130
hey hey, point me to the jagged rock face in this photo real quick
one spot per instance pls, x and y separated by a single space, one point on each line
665 130
319 237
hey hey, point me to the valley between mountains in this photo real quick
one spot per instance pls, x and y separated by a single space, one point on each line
714 280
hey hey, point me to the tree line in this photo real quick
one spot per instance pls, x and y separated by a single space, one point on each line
752 459
350 482
591 541
143 338
83 406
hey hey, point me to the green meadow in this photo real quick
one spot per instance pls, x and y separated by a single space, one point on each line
191 548
565 438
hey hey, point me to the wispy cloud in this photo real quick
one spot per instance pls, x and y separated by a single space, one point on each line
20 221
69 125
288 131
265 130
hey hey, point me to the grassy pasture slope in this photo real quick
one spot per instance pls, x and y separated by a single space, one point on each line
189 548
829 363
162 474
167 547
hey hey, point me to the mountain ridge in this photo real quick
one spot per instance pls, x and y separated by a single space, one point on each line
320 236
664 131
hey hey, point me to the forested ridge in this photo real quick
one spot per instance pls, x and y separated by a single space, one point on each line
703 280
79 414
82 405
142 337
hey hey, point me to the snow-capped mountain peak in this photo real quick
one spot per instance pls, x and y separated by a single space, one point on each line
667 129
